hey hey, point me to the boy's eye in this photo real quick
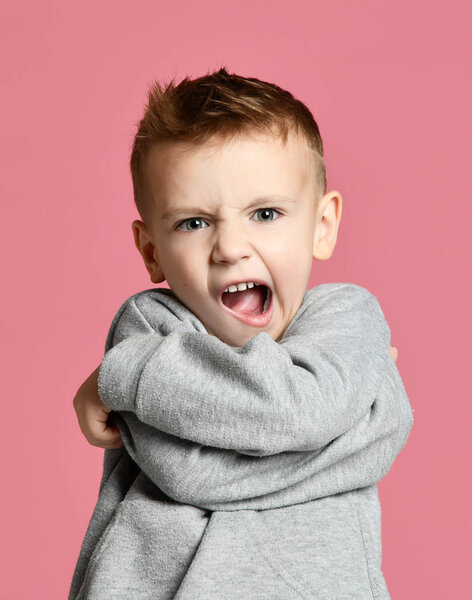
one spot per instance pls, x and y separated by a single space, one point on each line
193 224
266 214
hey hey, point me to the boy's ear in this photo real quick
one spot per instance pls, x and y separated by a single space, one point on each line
148 251
328 217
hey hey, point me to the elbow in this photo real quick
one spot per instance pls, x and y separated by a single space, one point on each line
189 489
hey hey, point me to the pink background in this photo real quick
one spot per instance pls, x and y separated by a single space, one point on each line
389 84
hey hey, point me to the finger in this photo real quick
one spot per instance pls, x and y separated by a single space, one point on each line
117 442
108 445
99 433
111 442
110 433
100 412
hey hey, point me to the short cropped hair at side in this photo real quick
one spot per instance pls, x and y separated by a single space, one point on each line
219 106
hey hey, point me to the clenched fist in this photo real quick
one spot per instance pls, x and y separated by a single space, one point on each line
92 415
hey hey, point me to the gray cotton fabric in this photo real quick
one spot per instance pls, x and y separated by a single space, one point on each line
247 472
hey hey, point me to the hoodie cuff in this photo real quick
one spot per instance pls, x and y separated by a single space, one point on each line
121 369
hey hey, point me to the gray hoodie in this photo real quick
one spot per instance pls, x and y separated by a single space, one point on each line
246 473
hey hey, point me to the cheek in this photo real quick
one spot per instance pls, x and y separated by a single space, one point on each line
176 253
185 270
294 262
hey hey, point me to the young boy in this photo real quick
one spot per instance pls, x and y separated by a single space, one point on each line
255 417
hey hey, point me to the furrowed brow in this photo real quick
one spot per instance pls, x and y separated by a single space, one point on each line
195 210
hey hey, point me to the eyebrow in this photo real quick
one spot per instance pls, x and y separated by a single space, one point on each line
195 210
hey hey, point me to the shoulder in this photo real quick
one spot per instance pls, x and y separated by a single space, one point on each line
148 302
343 296
339 305
156 310
345 292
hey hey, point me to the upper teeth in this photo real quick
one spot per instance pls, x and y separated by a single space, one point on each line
241 286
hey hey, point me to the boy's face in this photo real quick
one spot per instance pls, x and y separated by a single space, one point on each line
244 211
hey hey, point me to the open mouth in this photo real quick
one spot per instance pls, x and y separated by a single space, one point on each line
252 305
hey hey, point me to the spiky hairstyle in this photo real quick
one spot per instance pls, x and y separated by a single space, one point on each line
219 106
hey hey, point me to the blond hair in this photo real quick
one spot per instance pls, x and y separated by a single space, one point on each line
219 105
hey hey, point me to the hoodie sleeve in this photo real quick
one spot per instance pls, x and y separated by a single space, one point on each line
220 479
262 399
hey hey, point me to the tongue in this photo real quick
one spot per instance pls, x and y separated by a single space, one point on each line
248 302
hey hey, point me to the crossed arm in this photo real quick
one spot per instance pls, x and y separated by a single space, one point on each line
326 413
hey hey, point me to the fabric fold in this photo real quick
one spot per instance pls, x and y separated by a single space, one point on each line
261 399
275 447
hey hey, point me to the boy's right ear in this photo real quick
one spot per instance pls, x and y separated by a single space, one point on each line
148 251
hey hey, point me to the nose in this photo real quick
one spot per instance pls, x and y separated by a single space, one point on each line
231 245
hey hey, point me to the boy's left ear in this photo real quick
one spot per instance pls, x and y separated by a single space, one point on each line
328 217
147 249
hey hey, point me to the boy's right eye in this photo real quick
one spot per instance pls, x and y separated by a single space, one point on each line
194 224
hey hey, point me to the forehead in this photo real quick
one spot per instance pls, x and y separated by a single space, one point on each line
229 170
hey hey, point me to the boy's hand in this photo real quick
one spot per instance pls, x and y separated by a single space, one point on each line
393 353
92 415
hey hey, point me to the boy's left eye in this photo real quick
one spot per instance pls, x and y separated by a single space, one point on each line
266 212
